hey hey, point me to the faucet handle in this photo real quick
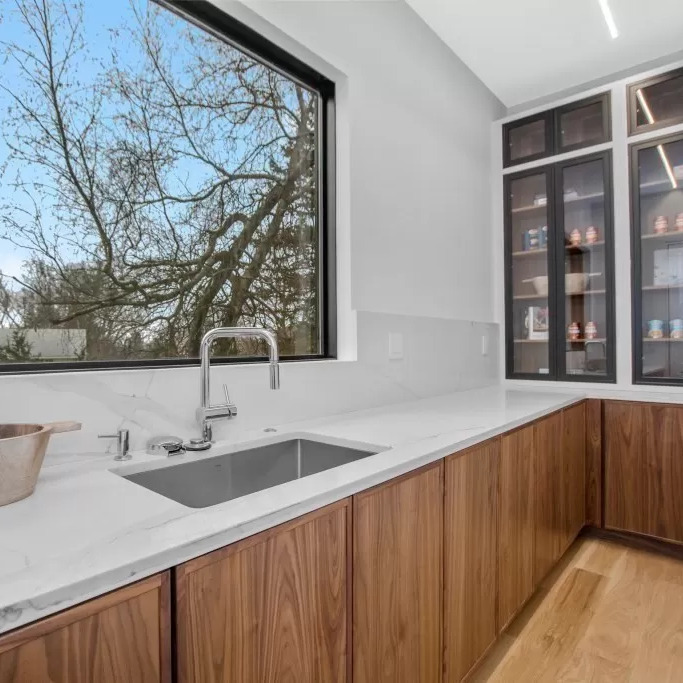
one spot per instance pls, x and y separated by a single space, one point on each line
228 403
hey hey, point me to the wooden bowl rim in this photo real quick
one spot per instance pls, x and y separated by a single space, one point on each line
41 428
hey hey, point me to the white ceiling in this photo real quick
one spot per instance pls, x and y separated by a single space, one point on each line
526 49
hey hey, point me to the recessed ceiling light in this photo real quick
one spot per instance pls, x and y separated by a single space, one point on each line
609 19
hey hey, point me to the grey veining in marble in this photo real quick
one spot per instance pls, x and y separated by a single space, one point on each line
87 530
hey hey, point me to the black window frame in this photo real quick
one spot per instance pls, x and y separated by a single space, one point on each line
633 127
553 136
223 26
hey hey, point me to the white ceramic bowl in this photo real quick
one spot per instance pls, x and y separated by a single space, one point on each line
574 283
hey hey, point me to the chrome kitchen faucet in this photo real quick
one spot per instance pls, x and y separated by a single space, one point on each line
207 413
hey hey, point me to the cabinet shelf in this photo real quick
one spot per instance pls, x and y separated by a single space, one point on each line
569 341
660 288
593 197
529 297
672 233
588 292
529 252
658 188
578 248
586 246
662 340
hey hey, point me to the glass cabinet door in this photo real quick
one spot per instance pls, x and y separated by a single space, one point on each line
527 139
529 290
656 102
658 254
584 262
584 123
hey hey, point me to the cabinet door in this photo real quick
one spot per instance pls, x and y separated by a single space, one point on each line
573 479
657 200
397 580
122 636
515 523
528 139
644 468
548 473
585 265
583 123
470 557
530 277
270 608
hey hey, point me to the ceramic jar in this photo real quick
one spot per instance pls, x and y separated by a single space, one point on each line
661 225
655 329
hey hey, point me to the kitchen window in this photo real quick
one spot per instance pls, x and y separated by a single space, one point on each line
163 170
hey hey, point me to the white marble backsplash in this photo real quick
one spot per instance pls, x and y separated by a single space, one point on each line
440 356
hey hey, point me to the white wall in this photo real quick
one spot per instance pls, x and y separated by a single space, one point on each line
413 240
415 123
622 223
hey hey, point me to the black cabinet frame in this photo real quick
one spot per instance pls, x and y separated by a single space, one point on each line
604 100
610 375
633 127
553 137
552 284
556 267
636 266
546 117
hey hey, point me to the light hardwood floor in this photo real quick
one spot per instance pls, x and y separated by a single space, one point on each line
607 613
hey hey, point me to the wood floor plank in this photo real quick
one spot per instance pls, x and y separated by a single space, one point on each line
551 636
608 613
660 655
601 557
586 668
616 631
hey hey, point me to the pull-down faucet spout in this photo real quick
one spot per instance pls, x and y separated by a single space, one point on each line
207 413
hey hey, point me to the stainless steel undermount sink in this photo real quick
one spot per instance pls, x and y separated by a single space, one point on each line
210 480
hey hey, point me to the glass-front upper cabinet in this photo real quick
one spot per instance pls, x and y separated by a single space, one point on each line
585 308
564 129
559 272
528 215
584 123
656 102
527 139
657 185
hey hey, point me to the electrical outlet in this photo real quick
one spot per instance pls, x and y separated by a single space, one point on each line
484 345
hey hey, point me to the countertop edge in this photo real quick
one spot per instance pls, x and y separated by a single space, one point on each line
27 611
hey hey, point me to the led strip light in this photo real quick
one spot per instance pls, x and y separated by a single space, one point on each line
651 119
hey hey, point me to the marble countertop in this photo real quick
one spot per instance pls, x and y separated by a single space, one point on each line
86 530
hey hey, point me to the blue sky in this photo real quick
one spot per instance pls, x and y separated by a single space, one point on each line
102 24
99 20
102 30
